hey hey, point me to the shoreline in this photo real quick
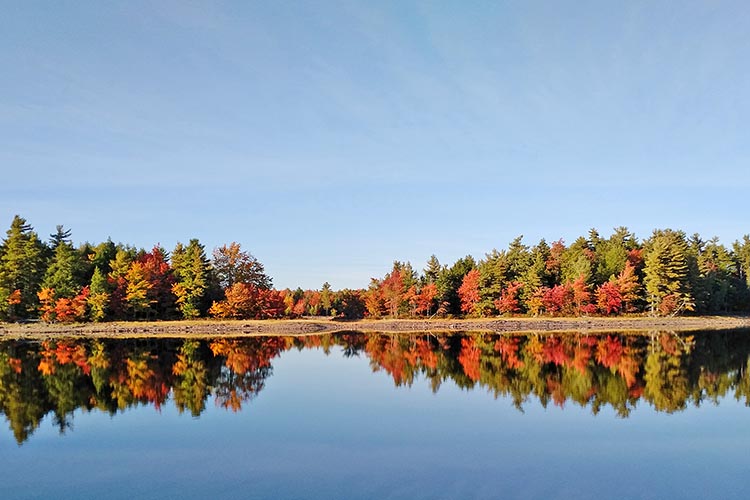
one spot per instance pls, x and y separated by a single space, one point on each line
313 326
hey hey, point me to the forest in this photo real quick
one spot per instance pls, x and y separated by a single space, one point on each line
667 273
665 370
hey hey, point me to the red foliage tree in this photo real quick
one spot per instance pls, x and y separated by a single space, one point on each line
558 299
582 296
426 299
608 298
393 291
159 275
468 292
509 301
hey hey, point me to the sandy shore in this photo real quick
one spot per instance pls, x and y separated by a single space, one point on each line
211 328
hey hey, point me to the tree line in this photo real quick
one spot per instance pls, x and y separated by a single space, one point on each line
668 273
667 371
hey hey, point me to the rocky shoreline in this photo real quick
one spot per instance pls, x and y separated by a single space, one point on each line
307 326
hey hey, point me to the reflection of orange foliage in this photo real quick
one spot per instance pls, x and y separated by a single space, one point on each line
144 382
669 344
243 356
62 353
628 367
388 354
233 402
14 298
556 390
508 348
609 351
424 349
534 349
554 351
470 358
582 354
15 364
636 392
46 366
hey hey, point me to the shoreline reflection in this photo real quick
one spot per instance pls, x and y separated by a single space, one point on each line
666 370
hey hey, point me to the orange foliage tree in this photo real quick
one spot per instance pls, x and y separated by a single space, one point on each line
468 292
244 301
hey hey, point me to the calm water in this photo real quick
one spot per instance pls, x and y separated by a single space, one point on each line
378 416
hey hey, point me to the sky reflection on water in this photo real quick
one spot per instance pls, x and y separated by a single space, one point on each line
326 426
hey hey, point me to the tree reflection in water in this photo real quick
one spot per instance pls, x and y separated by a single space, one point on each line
665 369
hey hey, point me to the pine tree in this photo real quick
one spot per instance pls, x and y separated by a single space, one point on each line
326 298
98 299
191 269
61 236
21 270
666 272
62 271
432 271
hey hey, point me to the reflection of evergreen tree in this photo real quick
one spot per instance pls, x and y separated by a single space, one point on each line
666 374
190 387
22 397
666 370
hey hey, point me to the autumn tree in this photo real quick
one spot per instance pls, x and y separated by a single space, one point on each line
232 265
137 296
468 292
246 301
609 298
509 301
161 281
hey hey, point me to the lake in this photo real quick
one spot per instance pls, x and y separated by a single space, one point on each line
649 415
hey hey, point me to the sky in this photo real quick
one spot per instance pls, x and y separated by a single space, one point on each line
332 138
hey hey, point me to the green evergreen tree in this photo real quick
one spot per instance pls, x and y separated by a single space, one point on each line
98 299
448 283
578 260
326 298
62 271
432 271
666 272
61 236
612 254
191 272
22 266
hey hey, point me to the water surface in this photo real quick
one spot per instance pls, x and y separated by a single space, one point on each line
658 415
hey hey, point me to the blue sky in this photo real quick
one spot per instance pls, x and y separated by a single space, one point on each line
330 138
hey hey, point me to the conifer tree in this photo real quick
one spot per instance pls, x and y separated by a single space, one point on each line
666 272
98 299
326 298
191 268
21 270
62 271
